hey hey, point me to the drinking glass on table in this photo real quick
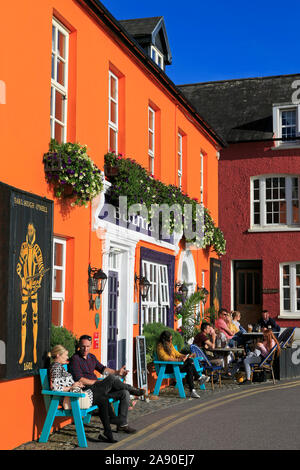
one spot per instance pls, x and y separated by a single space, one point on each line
250 328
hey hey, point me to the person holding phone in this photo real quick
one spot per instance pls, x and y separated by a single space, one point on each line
167 352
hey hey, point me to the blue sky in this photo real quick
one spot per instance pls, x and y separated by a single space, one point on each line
222 39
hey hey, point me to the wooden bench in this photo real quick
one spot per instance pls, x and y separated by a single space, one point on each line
160 368
54 409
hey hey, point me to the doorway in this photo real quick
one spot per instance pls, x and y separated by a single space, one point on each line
248 290
112 325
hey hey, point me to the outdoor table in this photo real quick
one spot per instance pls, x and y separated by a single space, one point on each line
254 334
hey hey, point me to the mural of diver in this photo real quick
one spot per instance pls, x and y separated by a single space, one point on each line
30 269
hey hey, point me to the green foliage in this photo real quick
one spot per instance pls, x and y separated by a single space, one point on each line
60 335
152 332
68 165
135 182
191 318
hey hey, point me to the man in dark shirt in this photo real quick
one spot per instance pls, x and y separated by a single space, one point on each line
83 365
206 338
267 322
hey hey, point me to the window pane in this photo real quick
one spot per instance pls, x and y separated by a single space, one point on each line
113 88
151 119
59 106
58 281
113 112
58 254
112 140
61 45
60 72
151 142
58 133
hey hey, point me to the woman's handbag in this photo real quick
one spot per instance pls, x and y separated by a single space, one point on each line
84 402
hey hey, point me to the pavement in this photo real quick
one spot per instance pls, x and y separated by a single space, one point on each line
66 438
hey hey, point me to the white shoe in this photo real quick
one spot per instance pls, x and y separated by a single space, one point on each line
203 379
194 394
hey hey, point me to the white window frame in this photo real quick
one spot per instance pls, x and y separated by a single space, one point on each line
277 124
57 87
155 306
179 159
151 134
60 296
114 126
157 57
292 313
263 225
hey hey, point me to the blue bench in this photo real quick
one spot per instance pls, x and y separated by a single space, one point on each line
52 404
160 368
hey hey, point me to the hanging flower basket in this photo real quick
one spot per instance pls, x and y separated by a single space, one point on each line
71 172
111 171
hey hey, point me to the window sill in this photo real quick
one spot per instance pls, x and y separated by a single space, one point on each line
295 145
288 316
274 229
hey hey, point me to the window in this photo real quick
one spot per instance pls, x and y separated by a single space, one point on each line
275 201
151 139
179 152
201 178
58 281
59 82
113 113
286 124
156 305
290 289
157 57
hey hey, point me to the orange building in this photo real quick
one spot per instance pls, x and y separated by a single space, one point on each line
72 64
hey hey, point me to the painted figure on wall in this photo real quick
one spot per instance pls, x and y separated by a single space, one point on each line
30 269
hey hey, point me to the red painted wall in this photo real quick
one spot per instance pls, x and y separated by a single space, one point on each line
238 163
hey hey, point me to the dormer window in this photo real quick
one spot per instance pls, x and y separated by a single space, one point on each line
157 57
286 124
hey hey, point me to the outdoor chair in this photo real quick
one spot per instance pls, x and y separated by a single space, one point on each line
54 409
266 364
160 369
286 337
208 366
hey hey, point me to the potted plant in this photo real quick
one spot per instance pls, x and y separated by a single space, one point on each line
111 169
72 173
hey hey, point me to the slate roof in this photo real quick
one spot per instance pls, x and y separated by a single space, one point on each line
150 31
140 26
241 110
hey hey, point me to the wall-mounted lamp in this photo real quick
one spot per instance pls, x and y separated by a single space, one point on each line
204 291
144 285
97 282
182 289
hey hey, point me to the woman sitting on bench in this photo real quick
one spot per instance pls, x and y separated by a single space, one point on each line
167 352
62 381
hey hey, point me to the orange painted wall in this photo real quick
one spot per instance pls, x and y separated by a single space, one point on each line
25 67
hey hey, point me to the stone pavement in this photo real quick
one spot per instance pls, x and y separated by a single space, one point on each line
66 439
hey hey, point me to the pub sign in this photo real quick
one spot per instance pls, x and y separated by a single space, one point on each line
26 228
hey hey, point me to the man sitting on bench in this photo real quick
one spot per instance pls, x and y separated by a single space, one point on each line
83 365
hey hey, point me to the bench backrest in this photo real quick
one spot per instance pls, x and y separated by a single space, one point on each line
45 386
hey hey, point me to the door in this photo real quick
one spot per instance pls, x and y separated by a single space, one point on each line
112 333
248 295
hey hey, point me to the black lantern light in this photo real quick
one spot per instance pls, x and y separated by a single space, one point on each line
97 282
144 285
182 289
204 291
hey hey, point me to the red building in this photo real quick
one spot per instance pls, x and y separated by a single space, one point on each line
258 191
